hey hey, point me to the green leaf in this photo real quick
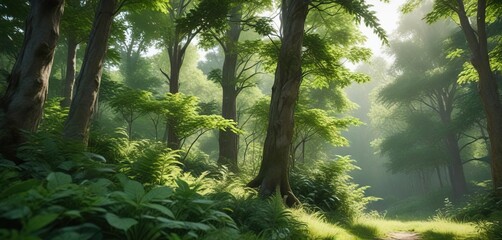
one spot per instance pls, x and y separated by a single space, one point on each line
80 232
157 193
134 189
174 224
57 179
39 221
67 165
100 187
16 213
73 214
120 223
19 187
161 209
455 53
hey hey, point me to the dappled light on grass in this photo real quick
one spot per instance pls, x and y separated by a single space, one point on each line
319 228
438 236
373 228
363 231
433 229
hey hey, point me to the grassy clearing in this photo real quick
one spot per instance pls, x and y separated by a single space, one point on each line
434 229
372 228
319 228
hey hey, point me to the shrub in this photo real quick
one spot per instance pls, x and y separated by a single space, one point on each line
328 187
114 147
153 164
48 152
484 209
269 219
60 192
102 208
54 116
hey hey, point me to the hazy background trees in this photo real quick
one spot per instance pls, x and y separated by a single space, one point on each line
170 79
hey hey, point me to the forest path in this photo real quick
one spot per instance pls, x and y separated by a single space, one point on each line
403 236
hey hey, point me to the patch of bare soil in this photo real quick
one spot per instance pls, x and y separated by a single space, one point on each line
403 236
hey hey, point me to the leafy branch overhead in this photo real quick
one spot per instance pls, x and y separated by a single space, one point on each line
359 9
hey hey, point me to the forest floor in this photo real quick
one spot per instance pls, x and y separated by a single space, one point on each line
403 236
383 229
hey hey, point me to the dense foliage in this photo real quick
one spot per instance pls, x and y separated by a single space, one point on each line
176 105
327 186
75 195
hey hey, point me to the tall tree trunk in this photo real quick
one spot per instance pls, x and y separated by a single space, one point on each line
228 140
457 176
83 104
27 88
488 89
173 139
438 172
71 59
274 169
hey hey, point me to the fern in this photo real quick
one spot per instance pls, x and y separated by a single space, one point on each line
47 152
269 219
155 164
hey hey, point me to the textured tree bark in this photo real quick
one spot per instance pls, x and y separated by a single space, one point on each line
229 141
457 176
176 59
488 89
27 88
82 107
274 170
71 59
445 107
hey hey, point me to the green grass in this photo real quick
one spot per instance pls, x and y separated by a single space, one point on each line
433 229
373 228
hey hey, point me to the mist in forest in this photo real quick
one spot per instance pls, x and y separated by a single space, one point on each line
219 119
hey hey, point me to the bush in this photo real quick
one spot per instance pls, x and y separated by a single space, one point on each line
328 187
102 208
269 219
153 163
114 147
60 192
484 209
48 152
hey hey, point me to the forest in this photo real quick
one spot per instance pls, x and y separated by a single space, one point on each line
239 119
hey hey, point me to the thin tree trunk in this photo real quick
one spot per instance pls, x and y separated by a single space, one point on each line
274 169
173 139
228 140
71 59
27 88
438 172
83 104
488 89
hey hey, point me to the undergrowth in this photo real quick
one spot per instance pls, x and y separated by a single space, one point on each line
63 192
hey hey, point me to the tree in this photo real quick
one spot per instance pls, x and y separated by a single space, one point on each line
427 89
477 38
182 113
313 122
232 77
24 98
88 81
273 174
75 25
274 169
187 19
82 106
12 16
130 103
142 29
